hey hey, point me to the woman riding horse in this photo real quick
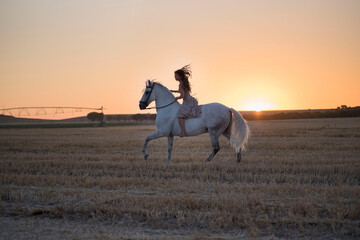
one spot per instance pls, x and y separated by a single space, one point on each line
189 107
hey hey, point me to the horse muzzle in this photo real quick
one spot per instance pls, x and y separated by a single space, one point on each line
142 105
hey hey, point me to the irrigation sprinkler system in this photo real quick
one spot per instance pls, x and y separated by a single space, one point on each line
39 111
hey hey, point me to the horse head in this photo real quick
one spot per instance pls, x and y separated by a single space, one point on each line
147 97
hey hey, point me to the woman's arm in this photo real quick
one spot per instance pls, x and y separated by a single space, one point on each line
176 91
181 91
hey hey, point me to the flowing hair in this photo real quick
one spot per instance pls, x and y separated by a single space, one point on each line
185 73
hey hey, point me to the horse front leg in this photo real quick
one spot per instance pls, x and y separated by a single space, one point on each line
215 145
170 145
153 136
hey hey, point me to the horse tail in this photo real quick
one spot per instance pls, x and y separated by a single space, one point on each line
238 132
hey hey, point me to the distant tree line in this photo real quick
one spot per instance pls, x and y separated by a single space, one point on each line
95 116
130 117
342 111
143 117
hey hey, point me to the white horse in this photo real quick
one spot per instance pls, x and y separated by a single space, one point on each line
215 118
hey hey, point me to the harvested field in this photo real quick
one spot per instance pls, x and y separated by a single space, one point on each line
298 178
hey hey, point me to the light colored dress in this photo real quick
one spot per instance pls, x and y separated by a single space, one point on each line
189 108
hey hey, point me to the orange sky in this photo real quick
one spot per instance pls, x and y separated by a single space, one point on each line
245 54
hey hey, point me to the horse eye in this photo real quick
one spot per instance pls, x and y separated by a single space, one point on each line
147 90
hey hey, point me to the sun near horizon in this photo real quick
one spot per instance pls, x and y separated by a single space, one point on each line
257 107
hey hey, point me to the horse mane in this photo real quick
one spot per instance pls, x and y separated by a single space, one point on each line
161 85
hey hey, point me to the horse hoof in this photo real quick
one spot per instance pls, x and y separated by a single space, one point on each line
146 155
238 156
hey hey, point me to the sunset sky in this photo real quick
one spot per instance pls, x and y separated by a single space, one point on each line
247 55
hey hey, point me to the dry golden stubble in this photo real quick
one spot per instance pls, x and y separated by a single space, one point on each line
297 177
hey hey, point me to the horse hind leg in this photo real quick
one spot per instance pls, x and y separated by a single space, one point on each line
238 155
215 145
226 134
170 145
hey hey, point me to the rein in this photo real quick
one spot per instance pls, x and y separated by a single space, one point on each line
161 106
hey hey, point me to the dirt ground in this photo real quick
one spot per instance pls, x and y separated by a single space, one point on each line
297 179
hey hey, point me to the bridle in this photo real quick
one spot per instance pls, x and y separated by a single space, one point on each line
146 90
151 87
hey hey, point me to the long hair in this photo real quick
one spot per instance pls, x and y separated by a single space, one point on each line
185 73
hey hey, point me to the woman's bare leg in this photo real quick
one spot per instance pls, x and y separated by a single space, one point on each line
182 126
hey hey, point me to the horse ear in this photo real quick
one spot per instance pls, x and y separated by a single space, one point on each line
148 83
